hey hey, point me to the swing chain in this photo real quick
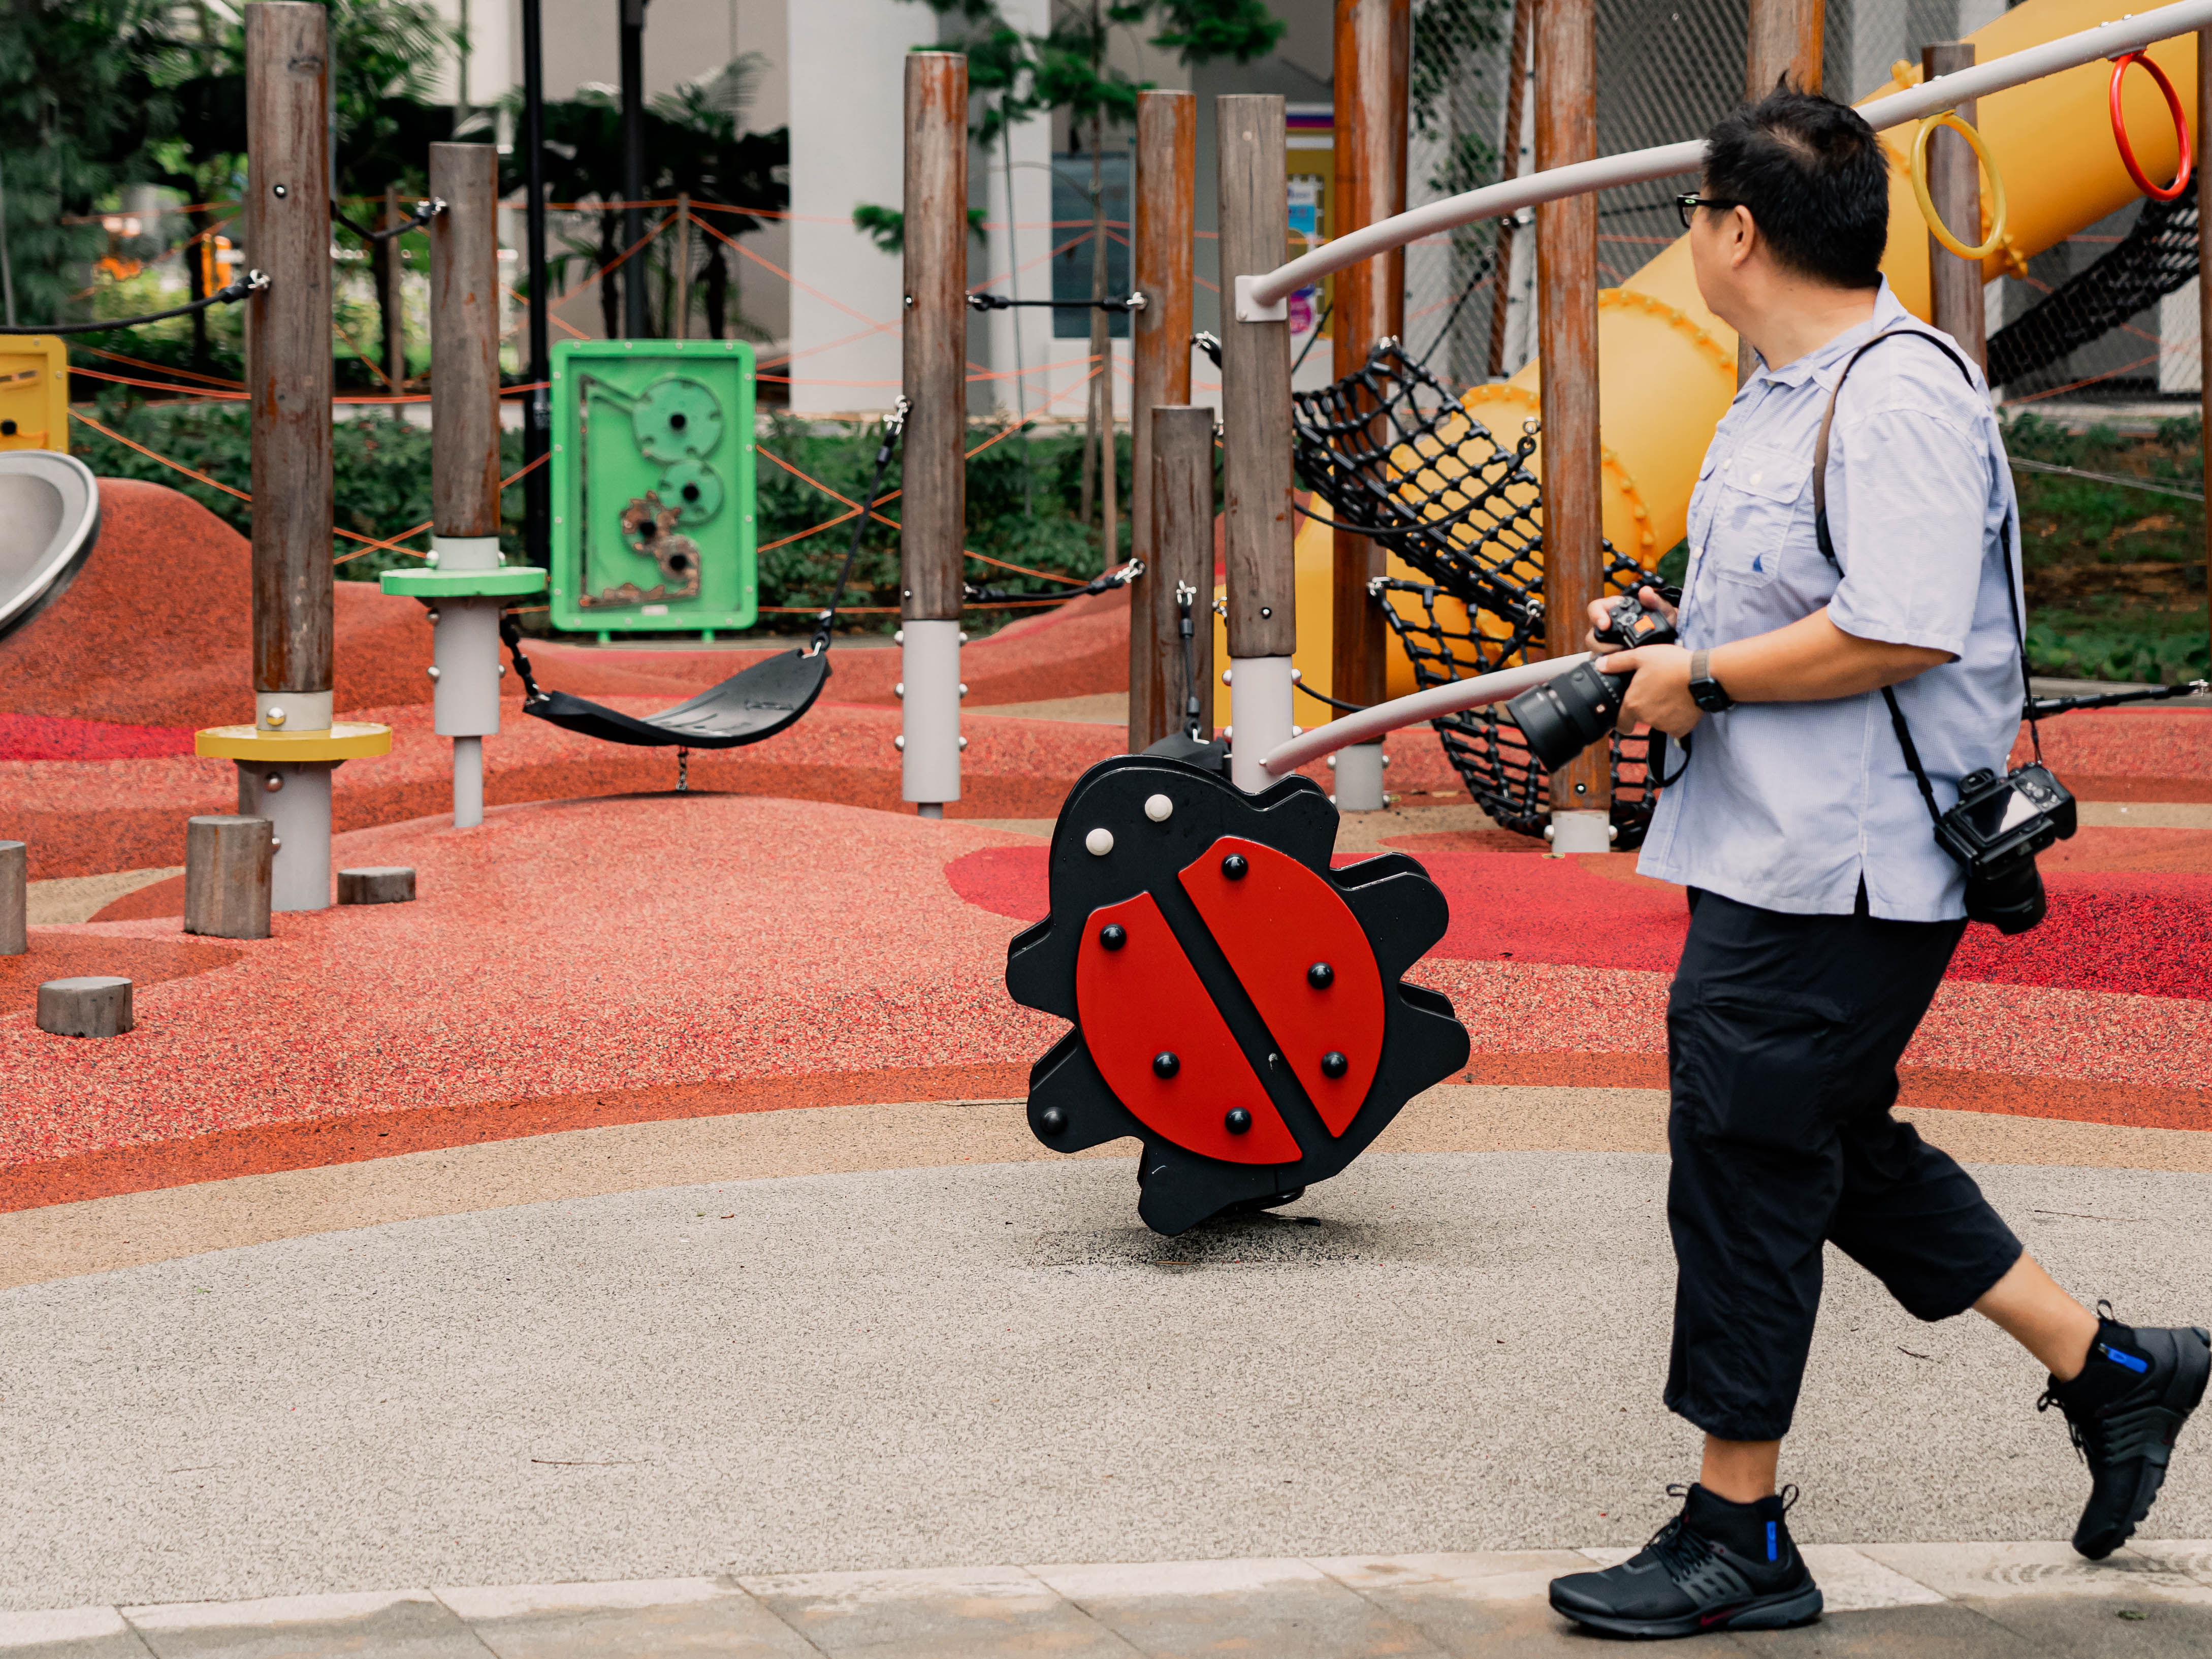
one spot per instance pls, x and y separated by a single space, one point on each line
1186 595
894 424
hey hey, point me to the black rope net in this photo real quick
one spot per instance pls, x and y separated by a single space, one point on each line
2153 260
1396 457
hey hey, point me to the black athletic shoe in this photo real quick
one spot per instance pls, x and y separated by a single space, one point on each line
2123 1411
1717 1565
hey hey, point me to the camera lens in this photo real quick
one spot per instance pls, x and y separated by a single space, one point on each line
2006 895
1563 717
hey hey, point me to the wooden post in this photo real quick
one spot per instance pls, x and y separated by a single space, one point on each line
392 271
465 464
464 341
15 888
1954 185
933 515
1566 293
1784 41
1516 113
1167 164
1181 494
226 874
1374 44
2204 302
1255 410
95 1005
681 331
287 227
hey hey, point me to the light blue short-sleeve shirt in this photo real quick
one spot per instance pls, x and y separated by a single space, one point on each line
1789 805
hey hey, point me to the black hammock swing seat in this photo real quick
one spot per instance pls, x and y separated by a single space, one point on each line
754 703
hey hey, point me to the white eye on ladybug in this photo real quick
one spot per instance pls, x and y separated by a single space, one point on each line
1159 809
1100 841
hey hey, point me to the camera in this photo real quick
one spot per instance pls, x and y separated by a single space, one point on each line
1561 718
1994 831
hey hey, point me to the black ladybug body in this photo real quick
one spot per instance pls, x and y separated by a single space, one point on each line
1238 1004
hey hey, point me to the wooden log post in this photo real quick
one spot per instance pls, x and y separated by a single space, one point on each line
226 874
2204 299
94 1005
1954 185
1259 531
1502 283
1373 45
1167 165
934 509
16 897
1784 42
465 464
1573 460
680 324
1181 497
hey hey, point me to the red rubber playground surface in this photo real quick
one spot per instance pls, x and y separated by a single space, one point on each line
601 950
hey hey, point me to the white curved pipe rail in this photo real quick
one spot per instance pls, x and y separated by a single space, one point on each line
1369 724
1635 167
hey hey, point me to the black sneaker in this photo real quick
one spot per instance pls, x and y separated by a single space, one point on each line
1717 1565
2123 1411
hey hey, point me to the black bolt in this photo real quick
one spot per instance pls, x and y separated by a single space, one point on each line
1166 1063
1333 1064
1234 866
1237 1120
280 192
1052 1120
1112 936
1265 612
1321 976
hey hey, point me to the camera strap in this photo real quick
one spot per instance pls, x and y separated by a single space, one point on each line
1828 552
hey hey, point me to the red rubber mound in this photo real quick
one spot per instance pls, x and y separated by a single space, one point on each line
2133 932
50 737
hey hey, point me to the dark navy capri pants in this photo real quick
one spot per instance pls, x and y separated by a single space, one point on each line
1783 1033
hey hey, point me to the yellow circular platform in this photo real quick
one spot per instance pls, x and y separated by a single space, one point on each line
347 740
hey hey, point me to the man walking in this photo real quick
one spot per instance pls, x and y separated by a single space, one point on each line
1823 912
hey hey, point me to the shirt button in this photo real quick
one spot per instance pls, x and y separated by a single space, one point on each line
1756 476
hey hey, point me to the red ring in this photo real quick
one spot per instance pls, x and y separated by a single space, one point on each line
2120 128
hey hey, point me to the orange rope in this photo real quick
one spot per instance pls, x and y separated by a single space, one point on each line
160 385
213 484
2075 386
140 363
787 276
373 367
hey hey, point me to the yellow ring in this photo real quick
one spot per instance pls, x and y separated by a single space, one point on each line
1936 227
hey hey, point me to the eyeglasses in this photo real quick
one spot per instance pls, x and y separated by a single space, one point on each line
1687 205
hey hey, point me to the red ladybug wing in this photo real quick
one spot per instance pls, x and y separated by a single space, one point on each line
1274 923
1144 999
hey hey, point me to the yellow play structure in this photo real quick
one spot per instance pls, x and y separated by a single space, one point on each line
1667 365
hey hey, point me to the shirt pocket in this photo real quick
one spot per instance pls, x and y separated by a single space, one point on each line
1762 493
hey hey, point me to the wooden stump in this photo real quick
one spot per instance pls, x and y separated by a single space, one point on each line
97 1005
228 862
15 898
388 884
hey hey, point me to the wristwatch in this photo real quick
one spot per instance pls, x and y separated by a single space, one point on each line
1705 691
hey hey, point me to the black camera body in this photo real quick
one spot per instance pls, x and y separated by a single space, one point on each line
1561 718
1995 832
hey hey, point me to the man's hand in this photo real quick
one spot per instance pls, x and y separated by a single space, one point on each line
1659 694
1600 617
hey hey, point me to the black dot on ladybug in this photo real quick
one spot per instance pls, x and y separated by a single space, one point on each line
1165 1065
678 420
1052 1120
1333 1064
1234 866
1112 936
1237 1120
1321 976
691 492
6 429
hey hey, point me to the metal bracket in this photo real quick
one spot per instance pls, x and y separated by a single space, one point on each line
1249 310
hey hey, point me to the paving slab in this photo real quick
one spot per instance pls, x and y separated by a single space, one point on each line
1288 1608
70 1633
620 1620
979 1610
400 1624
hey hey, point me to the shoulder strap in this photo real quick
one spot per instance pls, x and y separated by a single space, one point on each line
1828 552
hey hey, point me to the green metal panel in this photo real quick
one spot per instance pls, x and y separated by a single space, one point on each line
655 527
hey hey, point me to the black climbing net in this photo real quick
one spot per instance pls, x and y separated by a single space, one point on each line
1397 458
2153 260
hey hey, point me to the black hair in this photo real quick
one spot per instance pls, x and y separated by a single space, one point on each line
1815 180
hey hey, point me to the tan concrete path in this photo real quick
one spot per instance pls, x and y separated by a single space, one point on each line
1902 1600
